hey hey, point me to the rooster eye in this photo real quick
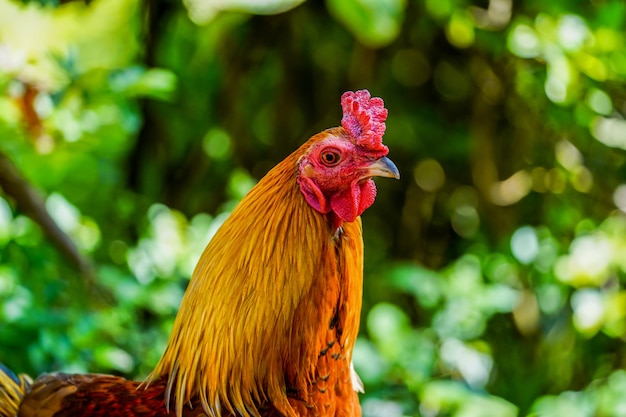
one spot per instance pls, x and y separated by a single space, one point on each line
330 158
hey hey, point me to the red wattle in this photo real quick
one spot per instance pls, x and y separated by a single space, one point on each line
349 204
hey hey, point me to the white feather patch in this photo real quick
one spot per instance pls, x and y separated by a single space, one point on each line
357 384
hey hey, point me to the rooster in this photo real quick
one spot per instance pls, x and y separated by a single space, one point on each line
268 323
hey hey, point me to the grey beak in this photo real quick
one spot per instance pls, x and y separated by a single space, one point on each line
383 167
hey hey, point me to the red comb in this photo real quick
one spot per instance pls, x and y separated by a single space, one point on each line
364 119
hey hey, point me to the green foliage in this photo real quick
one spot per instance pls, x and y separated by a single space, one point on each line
375 23
494 268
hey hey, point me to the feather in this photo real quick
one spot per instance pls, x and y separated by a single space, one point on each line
12 390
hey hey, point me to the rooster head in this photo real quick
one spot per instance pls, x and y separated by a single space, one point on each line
335 174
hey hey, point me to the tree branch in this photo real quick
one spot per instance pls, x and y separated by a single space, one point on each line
30 201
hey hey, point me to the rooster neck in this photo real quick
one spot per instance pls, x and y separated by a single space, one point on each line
325 327
276 285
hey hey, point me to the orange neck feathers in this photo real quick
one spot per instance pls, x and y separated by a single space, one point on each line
273 285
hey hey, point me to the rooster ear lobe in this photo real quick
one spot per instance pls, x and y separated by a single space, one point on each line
313 195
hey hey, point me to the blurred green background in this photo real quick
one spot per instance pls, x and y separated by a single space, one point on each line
495 268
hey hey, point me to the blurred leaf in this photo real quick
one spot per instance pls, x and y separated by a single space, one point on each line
424 284
460 30
569 403
455 399
114 358
375 23
203 11
154 82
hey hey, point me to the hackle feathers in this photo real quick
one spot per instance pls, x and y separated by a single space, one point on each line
250 320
